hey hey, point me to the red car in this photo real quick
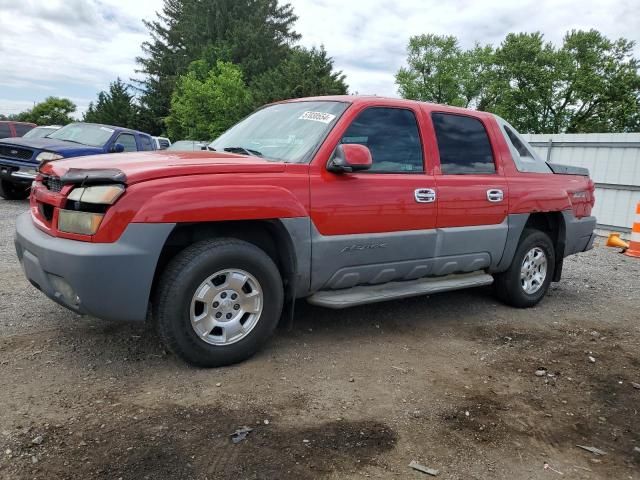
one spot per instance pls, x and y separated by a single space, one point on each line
340 200
14 129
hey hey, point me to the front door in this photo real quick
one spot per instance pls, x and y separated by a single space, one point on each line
378 225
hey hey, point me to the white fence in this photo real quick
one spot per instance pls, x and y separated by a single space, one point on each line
613 159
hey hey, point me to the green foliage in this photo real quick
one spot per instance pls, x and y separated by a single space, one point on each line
303 73
207 101
436 65
254 34
588 84
115 107
52 111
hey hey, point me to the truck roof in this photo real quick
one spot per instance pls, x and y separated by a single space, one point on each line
378 100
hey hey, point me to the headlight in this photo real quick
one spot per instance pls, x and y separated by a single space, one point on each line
99 194
48 156
84 223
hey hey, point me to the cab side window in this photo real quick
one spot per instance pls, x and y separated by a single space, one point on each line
146 143
463 144
5 130
392 136
128 141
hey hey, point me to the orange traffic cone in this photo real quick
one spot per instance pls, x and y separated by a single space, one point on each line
614 240
634 244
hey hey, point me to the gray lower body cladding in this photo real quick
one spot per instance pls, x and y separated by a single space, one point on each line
579 235
346 261
111 281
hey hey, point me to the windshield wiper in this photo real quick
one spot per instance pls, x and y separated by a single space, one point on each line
246 151
72 141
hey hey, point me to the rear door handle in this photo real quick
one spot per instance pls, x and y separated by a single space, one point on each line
495 195
425 195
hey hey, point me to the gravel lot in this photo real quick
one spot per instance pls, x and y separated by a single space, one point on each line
448 381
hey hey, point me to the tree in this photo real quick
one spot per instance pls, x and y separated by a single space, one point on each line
254 34
207 101
304 73
52 111
115 107
588 84
436 67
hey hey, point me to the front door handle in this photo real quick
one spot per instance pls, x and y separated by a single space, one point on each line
495 195
425 195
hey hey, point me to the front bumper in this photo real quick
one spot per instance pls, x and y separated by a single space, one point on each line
111 281
18 172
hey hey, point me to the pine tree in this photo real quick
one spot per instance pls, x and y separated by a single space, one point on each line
256 35
115 107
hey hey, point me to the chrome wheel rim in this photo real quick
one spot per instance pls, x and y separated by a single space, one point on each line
226 307
534 270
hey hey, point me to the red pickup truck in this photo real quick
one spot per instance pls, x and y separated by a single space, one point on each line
340 200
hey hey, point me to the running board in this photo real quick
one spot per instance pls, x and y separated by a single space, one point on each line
350 297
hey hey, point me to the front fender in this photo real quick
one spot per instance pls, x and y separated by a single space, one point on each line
217 203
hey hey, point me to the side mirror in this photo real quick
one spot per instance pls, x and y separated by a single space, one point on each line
117 148
350 157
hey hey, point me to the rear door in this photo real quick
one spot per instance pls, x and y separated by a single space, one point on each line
378 225
472 192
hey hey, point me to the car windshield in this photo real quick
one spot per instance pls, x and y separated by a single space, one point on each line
39 132
84 133
285 132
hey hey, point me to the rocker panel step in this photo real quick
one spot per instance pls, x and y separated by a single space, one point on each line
363 294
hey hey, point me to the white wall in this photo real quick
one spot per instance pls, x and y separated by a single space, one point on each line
613 159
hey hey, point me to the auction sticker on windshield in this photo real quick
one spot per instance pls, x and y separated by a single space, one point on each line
110 130
317 117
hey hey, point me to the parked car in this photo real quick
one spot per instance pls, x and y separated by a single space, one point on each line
14 129
188 146
341 200
42 131
161 143
21 157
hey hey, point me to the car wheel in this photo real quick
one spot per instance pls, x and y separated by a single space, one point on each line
527 280
12 191
218 301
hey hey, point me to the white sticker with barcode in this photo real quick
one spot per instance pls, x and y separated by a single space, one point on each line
317 117
110 130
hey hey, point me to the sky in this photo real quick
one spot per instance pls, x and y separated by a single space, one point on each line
74 48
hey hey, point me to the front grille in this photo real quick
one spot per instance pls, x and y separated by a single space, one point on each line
52 183
9 151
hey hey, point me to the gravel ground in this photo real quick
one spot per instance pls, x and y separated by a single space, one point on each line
448 381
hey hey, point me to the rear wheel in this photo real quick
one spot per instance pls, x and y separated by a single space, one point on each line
13 191
528 278
218 301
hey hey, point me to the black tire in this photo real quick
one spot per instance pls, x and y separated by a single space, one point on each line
13 191
185 273
508 285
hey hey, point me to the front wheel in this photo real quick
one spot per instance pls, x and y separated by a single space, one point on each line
218 301
13 191
527 280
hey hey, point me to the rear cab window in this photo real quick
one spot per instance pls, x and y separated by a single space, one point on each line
5 130
463 144
524 157
22 128
146 143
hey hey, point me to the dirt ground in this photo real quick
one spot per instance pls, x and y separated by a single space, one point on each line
448 381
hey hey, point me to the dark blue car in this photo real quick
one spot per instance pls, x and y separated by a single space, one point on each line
20 157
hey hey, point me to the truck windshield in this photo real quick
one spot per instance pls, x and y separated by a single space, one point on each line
285 132
84 133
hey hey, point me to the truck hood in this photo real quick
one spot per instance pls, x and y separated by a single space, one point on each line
143 166
61 147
